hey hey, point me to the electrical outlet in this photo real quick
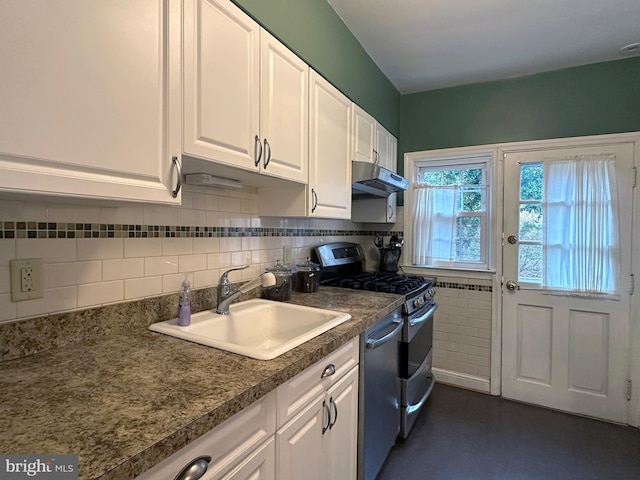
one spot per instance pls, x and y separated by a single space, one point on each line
286 255
26 279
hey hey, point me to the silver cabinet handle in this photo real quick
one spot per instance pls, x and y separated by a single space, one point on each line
325 408
376 157
257 156
174 193
314 200
381 341
328 371
267 153
335 409
194 469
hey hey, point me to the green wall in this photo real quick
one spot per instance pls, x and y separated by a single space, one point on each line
588 100
313 30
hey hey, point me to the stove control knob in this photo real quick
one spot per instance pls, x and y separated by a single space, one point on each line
418 302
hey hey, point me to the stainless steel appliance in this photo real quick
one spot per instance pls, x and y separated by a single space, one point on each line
342 265
372 180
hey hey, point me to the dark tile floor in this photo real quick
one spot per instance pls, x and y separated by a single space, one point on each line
463 435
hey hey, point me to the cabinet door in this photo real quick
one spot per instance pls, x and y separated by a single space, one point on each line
221 83
363 135
259 465
386 145
90 95
393 153
342 439
299 445
329 140
285 111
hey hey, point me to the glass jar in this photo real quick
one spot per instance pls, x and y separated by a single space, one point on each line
307 277
281 291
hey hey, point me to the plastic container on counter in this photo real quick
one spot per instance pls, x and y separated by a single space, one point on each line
281 291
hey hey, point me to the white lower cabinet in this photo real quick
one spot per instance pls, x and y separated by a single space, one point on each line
321 442
306 428
241 447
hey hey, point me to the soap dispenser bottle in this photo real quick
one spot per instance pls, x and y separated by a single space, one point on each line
184 303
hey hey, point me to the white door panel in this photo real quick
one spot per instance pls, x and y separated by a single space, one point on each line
562 351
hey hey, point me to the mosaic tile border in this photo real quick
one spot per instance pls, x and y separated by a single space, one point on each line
464 286
26 230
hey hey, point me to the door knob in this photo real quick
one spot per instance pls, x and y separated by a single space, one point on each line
512 239
511 285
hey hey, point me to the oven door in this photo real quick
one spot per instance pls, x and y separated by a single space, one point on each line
415 367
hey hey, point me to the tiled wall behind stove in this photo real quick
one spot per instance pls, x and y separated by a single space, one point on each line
97 255
462 326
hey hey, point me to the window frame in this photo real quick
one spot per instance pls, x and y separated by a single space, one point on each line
450 159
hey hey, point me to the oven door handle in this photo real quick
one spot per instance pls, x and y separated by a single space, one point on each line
388 337
422 318
417 406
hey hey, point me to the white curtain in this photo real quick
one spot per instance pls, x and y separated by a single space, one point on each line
581 236
435 221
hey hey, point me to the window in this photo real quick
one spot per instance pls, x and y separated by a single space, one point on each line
450 200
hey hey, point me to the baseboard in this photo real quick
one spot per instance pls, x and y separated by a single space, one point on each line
463 380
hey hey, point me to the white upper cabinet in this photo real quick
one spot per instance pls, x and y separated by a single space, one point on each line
245 95
329 164
221 83
371 142
363 137
90 95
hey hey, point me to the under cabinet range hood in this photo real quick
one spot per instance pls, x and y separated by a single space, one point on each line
371 180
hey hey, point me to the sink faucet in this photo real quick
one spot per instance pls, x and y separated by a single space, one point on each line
226 295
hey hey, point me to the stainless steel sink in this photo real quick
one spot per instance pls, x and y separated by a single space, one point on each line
261 329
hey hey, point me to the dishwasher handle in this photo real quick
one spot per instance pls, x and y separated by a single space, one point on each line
375 343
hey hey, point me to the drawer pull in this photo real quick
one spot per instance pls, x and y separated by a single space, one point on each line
194 469
328 371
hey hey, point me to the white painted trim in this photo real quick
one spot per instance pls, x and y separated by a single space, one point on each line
494 386
457 379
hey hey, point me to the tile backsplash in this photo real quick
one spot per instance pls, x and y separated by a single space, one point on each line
99 255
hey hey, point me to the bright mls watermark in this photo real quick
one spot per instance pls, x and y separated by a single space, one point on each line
46 467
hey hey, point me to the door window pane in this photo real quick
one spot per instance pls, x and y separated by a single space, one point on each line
530 263
531 182
530 222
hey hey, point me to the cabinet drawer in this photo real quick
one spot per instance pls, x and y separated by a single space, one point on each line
304 387
226 443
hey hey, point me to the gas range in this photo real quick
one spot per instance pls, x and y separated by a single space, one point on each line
342 265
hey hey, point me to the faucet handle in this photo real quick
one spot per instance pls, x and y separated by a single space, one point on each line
224 278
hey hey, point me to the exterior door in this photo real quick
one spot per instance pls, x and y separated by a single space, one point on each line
562 351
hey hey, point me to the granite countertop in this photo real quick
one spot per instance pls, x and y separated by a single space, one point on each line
126 400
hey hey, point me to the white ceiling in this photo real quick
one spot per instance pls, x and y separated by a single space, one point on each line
427 44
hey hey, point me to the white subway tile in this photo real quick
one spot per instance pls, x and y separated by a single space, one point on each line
218 260
217 219
129 215
480 305
74 273
160 215
160 265
192 263
120 269
230 204
205 202
206 245
7 250
206 278
5 280
73 213
250 243
142 247
485 372
189 217
478 360
100 248
100 293
8 309
240 258
172 283
50 250
23 211
177 246
230 244
142 287
249 206
54 300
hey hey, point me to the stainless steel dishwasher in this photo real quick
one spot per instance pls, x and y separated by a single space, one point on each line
379 399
